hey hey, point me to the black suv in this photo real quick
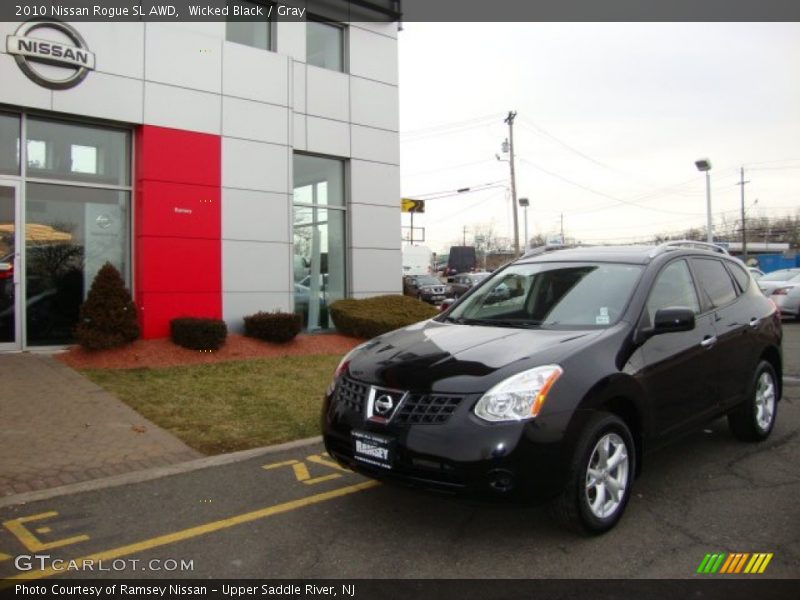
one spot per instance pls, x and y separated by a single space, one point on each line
556 388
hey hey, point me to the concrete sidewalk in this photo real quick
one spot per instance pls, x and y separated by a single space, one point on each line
57 428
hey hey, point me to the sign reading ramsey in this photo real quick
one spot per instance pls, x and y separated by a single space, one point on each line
27 49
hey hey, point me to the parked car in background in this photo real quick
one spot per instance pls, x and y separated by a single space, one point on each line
772 281
462 259
463 282
417 260
787 299
424 287
598 356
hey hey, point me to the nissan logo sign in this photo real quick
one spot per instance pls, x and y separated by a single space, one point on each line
28 49
384 404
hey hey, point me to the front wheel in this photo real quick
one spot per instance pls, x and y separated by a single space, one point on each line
600 478
754 419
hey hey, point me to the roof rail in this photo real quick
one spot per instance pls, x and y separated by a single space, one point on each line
675 244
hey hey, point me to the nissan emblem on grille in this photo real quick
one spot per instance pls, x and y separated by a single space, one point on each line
382 404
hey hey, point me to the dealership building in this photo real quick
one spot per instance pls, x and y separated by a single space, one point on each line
224 168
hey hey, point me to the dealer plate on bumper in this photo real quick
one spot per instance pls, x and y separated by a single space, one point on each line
372 449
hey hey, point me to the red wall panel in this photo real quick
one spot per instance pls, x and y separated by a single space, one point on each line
178 227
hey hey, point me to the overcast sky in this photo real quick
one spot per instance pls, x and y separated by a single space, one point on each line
610 119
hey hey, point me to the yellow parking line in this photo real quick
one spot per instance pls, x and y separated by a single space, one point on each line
199 530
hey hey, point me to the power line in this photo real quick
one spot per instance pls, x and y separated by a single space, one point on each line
453 192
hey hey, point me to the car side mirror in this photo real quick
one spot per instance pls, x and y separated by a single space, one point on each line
670 320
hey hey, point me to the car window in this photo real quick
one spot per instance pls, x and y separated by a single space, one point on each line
552 295
715 281
741 276
673 288
780 275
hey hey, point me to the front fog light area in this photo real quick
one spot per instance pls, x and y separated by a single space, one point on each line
519 397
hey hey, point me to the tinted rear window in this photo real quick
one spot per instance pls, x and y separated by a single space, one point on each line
716 282
741 276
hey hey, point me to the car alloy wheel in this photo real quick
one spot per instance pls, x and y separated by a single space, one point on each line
607 476
765 401
753 420
600 476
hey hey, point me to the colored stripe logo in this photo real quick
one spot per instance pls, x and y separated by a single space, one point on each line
734 563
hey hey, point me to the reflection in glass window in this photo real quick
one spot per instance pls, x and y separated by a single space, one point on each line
325 45
70 232
255 33
60 150
319 238
84 159
9 144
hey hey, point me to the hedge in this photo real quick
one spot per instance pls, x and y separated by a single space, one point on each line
276 326
371 317
198 333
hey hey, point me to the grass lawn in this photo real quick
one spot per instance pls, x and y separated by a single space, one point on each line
228 406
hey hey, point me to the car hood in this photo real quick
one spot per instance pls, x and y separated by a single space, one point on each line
445 357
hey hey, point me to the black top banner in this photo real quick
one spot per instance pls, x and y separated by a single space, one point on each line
403 10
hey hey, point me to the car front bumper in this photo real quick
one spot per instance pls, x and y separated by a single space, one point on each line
515 461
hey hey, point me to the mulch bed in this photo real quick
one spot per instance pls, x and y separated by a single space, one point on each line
163 353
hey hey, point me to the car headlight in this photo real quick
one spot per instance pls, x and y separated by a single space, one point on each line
519 397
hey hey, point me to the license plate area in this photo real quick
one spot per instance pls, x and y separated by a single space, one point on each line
372 449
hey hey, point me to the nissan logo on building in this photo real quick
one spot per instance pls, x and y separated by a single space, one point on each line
45 50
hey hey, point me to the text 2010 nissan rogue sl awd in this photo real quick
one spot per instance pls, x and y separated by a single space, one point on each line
554 390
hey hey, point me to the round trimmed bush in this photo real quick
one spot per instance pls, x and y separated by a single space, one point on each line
371 317
198 333
280 327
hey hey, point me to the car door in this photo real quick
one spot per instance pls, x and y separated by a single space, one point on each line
732 322
679 373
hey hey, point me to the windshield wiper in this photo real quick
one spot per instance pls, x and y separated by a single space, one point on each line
498 322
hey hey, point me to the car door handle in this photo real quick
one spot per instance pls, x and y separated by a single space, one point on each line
708 342
754 322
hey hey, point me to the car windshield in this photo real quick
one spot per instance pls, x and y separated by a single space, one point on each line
427 281
782 275
551 295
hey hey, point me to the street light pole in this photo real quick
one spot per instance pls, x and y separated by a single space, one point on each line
510 120
704 165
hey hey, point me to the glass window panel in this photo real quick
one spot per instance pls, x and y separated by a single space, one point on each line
250 33
325 45
8 315
319 238
52 155
9 144
70 232
318 180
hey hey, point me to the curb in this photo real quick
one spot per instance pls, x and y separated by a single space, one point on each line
791 381
154 473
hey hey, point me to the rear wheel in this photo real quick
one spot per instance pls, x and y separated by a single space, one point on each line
600 478
754 419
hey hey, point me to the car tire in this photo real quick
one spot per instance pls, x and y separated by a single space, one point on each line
579 506
754 419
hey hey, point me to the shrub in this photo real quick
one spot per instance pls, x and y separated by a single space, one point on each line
198 333
107 318
276 326
372 317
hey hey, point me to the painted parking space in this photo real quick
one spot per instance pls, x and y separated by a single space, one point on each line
86 530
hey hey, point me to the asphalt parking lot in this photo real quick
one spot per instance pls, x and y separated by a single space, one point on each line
296 514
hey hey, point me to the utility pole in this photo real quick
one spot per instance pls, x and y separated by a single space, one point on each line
510 120
741 183
563 241
465 236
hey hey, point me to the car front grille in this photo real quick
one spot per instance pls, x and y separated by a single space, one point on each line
426 409
351 395
416 409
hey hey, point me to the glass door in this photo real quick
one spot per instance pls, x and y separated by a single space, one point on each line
10 330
